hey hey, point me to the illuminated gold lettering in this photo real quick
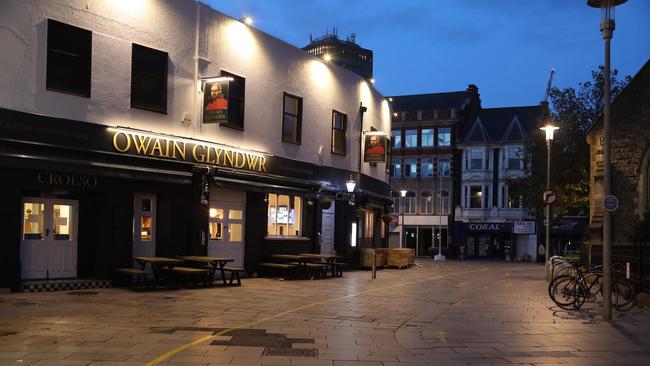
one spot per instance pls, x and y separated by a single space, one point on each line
199 157
156 146
210 159
180 147
252 161
167 148
228 158
116 144
240 162
141 143
262 164
218 153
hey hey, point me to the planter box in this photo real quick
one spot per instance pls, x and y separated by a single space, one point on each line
400 257
366 257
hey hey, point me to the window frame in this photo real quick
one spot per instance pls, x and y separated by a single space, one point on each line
396 166
146 70
298 117
413 173
412 135
57 54
292 207
520 159
448 142
343 131
430 137
236 101
423 162
396 139
426 203
438 171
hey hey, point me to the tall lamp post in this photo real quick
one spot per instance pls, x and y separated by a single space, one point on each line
402 194
607 26
549 129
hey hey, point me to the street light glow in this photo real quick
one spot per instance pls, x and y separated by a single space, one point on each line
402 193
549 129
247 20
327 57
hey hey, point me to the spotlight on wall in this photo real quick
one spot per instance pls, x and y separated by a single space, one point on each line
327 57
247 20
372 80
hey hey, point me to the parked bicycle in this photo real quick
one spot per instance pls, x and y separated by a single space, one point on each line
571 291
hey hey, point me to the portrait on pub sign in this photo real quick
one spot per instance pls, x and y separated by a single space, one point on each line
215 101
375 148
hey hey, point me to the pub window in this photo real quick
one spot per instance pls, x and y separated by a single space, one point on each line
149 79
68 59
236 101
339 140
284 215
291 119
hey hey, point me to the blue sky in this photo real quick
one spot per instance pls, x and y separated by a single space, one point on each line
505 47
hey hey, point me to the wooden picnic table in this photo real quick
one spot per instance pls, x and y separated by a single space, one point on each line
161 267
330 259
213 264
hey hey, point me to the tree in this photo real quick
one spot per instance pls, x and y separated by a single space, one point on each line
574 111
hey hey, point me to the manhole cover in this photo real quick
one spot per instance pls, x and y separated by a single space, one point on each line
291 352
83 293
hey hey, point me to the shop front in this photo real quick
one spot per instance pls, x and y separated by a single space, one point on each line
82 199
486 240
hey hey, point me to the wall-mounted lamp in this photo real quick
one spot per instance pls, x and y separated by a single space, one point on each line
327 57
247 20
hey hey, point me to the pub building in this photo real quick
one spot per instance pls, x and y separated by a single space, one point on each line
122 135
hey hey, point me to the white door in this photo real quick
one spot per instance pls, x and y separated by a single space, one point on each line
227 215
327 228
144 225
49 238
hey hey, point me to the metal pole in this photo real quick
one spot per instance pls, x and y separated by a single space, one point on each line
548 206
374 264
401 228
607 28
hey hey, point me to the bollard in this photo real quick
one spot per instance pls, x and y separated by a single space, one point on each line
374 264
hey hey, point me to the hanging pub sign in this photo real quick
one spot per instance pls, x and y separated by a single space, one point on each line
374 147
215 99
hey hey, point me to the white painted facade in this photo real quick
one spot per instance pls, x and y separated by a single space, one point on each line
200 42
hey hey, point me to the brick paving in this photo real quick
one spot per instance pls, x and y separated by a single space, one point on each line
451 313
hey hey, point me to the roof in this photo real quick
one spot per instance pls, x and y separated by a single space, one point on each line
429 102
508 124
640 78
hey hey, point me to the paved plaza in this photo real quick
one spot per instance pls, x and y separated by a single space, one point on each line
454 313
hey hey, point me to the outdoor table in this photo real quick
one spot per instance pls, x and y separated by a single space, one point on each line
213 264
161 268
302 261
330 259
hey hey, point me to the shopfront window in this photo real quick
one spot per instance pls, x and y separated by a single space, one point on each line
284 215
33 218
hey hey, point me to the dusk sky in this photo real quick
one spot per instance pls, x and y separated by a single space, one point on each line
505 47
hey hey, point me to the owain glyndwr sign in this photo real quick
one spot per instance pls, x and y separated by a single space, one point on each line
135 143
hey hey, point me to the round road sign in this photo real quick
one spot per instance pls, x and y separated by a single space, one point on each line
610 203
548 197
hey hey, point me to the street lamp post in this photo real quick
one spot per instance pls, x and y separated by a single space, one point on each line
402 194
549 138
607 26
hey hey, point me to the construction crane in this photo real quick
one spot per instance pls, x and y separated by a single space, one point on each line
548 86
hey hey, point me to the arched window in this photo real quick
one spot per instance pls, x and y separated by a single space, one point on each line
426 203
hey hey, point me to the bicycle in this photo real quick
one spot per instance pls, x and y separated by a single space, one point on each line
571 291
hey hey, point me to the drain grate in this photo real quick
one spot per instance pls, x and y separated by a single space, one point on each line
83 293
291 352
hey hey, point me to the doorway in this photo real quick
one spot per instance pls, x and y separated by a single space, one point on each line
327 229
144 225
411 237
49 238
226 223
425 241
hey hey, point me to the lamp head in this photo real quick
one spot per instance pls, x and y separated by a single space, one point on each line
606 6
549 129
402 193
350 184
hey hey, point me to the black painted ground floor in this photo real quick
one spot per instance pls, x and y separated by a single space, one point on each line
78 200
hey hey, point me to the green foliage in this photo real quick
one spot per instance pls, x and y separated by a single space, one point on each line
574 111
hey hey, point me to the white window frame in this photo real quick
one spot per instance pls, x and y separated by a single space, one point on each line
485 195
424 162
397 168
413 173
396 139
408 137
426 203
517 151
439 172
428 138
443 202
476 153
409 205
447 132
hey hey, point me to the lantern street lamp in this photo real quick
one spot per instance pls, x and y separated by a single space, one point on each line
350 184
549 129
402 232
607 26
